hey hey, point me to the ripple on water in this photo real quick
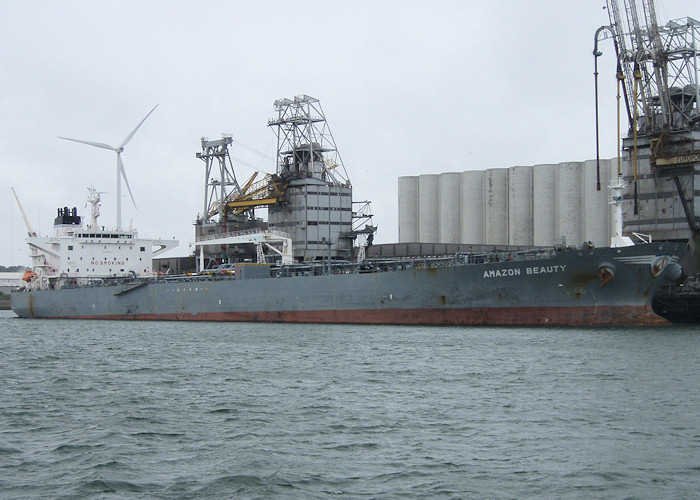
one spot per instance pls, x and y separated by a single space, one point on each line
148 410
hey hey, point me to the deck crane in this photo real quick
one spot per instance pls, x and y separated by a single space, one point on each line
30 228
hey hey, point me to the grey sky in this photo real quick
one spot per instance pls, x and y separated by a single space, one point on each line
408 87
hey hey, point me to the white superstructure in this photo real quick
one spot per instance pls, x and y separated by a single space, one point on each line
75 250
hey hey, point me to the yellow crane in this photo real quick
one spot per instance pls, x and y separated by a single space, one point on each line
267 191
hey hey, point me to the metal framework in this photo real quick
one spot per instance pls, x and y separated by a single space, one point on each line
657 74
219 177
659 67
258 237
305 145
363 227
223 194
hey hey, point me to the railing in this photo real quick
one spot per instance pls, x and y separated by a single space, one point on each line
318 268
245 232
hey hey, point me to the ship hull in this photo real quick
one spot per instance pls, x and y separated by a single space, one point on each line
564 290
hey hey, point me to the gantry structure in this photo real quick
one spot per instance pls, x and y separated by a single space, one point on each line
657 80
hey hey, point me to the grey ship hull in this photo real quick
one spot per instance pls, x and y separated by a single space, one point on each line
599 286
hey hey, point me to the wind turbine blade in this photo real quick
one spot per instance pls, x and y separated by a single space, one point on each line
90 143
126 181
128 137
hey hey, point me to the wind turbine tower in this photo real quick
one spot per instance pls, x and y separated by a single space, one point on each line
120 165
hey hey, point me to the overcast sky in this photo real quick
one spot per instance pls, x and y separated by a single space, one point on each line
407 87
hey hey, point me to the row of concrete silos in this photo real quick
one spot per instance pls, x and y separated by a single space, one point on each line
530 205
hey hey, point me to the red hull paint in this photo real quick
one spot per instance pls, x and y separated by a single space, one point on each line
510 316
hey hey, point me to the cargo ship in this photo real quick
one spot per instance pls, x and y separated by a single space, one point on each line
93 272
307 262
562 287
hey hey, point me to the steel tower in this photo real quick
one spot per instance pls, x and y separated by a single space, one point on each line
305 145
317 211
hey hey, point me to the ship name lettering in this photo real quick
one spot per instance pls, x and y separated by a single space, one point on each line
545 269
501 273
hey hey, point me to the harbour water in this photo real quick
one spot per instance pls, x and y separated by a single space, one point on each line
214 410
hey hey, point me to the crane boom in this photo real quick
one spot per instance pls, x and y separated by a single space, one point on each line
30 229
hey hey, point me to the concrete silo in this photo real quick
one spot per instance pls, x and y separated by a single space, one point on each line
472 207
408 209
495 193
520 206
449 191
428 222
544 205
594 208
568 196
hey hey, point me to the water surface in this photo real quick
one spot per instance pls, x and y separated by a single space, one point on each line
179 410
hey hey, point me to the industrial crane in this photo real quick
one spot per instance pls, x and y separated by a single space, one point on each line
658 66
657 75
223 195
267 191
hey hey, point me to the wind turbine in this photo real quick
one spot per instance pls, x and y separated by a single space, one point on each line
120 166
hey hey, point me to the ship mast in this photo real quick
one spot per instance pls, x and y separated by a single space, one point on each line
94 201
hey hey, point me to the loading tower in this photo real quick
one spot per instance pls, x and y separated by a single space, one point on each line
309 197
317 210
219 176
